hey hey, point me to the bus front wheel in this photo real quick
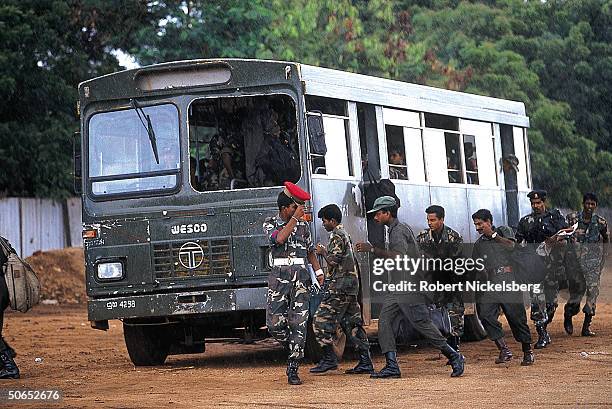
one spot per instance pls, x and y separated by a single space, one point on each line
147 345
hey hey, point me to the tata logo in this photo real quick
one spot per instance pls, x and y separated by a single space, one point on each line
191 255
189 228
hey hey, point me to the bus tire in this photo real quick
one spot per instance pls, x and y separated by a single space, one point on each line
472 328
147 345
313 351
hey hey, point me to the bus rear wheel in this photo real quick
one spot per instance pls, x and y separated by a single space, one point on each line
147 345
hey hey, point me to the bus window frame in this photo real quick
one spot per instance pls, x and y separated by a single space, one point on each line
353 150
302 145
133 194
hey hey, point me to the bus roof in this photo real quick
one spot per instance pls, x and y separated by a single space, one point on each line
330 83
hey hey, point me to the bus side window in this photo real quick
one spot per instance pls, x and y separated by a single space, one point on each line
453 157
336 162
396 152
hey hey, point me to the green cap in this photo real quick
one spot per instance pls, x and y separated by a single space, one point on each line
383 202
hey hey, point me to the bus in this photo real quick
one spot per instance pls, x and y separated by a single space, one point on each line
178 164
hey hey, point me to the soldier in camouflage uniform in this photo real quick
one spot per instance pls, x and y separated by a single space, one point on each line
288 295
340 304
441 242
231 154
590 244
540 226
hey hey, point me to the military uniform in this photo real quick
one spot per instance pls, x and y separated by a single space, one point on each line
288 283
340 304
411 306
535 229
232 145
589 239
497 269
447 245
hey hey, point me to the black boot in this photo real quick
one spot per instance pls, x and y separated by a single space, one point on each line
543 337
505 355
568 326
457 361
364 365
586 331
453 342
391 369
292 372
528 357
328 362
9 370
10 350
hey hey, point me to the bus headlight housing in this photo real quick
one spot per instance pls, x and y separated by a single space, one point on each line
110 270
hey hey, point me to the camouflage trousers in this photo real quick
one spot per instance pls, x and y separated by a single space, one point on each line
287 307
588 278
340 309
453 303
544 304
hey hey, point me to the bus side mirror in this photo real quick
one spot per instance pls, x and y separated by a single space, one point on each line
316 133
76 154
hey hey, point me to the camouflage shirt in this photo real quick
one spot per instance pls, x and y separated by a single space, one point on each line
447 245
535 228
595 231
341 269
588 235
298 244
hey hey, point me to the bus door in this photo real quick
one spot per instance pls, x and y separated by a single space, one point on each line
336 174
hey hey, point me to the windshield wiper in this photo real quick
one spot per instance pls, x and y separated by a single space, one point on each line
148 127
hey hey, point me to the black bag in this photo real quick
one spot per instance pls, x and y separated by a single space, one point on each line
405 333
374 189
527 265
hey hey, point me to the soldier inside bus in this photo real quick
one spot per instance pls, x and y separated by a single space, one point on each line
397 164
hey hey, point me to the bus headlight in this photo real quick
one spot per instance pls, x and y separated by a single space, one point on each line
110 271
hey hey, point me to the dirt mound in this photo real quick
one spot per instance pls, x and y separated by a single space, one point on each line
61 274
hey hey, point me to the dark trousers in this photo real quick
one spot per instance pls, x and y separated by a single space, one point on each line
4 302
417 314
488 312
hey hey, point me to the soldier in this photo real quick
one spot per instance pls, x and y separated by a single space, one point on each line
340 304
494 247
401 242
540 226
591 239
441 242
288 296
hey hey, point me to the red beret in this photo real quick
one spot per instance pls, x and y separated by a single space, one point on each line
296 193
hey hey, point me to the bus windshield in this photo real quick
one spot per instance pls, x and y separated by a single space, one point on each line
121 158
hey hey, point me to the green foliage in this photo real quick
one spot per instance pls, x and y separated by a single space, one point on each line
555 56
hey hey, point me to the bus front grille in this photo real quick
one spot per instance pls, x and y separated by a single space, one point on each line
194 258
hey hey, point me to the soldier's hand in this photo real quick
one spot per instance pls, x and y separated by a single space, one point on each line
363 247
299 212
321 250
487 230
320 279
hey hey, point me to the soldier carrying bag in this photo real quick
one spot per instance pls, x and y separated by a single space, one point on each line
21 281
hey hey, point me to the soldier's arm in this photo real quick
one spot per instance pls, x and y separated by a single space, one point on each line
457 247
521 231
336 251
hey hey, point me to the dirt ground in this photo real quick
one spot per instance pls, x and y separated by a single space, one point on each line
93 370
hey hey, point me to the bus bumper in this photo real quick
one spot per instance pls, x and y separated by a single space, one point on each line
183 303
